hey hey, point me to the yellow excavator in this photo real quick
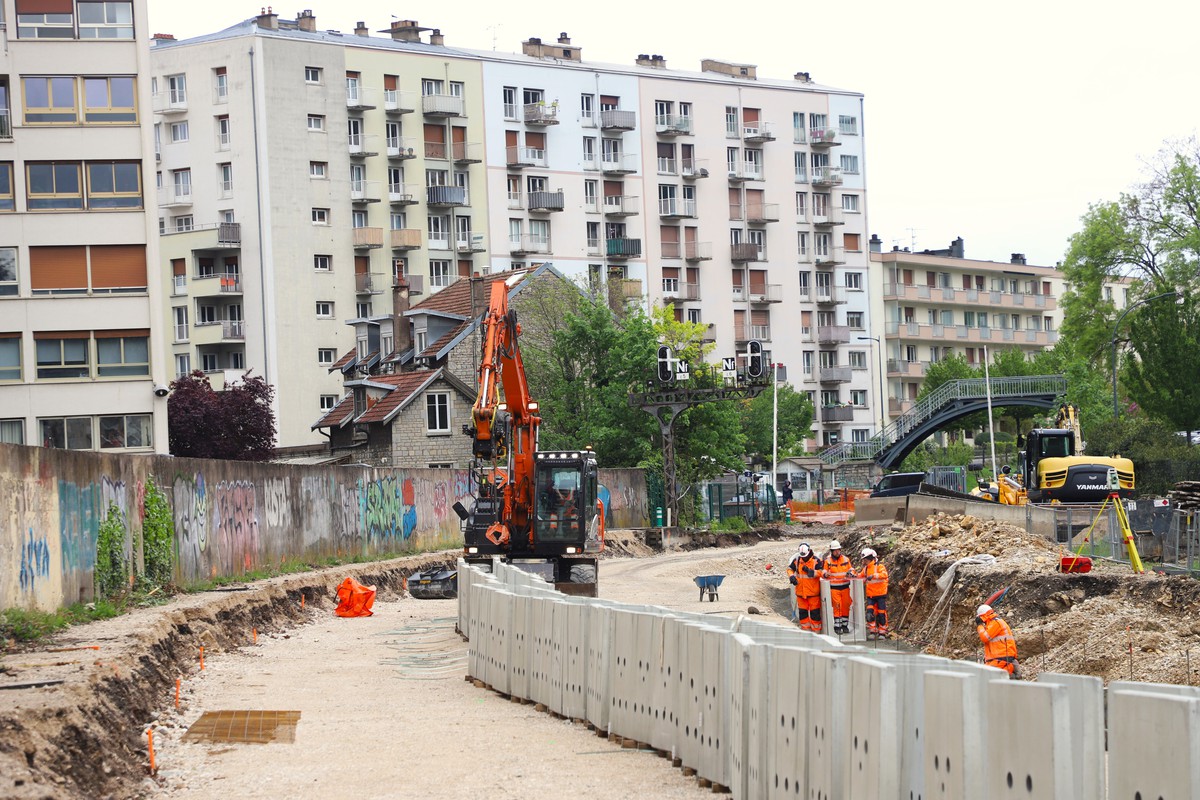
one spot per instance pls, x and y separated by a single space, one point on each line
1054 469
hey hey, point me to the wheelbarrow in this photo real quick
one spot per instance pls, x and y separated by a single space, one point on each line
709 584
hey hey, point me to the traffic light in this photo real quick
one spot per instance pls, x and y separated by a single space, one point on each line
754 359
666 369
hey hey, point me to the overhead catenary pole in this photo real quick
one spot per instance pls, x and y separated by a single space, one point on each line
775 427
987 386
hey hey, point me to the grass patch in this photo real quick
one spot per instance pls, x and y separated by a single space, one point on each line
294 566
23 625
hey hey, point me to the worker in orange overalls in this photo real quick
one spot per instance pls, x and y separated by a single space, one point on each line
999 646
875 575
838 570
805 575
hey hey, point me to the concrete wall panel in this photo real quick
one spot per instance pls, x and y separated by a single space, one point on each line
1028 742
577 619
950 738
1153 746
871 768
788 725
828 707
598 688
1087 730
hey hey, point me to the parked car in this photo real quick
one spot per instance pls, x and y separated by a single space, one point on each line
898 484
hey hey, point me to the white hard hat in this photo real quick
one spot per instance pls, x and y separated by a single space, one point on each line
983 609
804 550
868 553
835 545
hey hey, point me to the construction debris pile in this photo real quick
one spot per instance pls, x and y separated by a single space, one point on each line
1185 495
954 536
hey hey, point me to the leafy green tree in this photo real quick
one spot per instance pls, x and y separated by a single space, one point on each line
1163 377
1088 384
795 421
1010 362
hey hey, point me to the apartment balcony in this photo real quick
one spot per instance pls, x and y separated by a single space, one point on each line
827 176
621 206
620 249
823 137
466 152
367 238
216 284
709 334
746 251
832 216
398 102
169 103
515 201
833 334
747 333
439 242
445 196
897 368
835 255
217 331
672 125
747 171
359 98
619 163
175 196
757 133
541 114
762 213
689 292
364 192
595 248
521 157
631 289
368 283
400 194
836 413
896 406
766 294
528 245
546 202
6 131
442 105
691 169
416 284
667 166
362 145
697 251
673 208
616 120
969 297
468 244
402 148
405 238
830 295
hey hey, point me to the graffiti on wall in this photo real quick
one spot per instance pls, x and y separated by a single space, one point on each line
190 496
387 508
235 524
35 561
78 527
276 494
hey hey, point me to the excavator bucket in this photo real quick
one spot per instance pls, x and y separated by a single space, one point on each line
438 583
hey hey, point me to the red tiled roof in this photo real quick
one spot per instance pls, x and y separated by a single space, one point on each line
343 361
337 415
433 349
406 385
456 298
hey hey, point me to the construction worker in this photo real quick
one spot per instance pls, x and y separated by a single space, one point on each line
838 570
999 646
875 576
805 574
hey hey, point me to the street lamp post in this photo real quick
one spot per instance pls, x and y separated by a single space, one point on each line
1116 328
879 351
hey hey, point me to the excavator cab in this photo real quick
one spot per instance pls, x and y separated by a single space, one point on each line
566 486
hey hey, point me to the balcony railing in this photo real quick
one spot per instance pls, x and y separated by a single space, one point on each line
898 368
672 125
176 196
620 205
617 120
541 114
466 152
398 102
834 375
528 244
405 238
367 237
689 292
619 163
837 413
833 334
667 166
446 195
768 293
595 247
746 251
757 132
697 251
834 255
748 333
230 328
362 145
465 242
760 213
823 137
828 216
360 98
827 176
830 295
368 283
692 168
622 248
229 234
364 191
546 201
170 102
674 208
442 105
403 195
519 157
401 147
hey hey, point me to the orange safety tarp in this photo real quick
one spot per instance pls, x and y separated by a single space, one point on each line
354 599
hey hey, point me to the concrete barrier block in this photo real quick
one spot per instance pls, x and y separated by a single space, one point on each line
691 704
666 730
623 655
541 630
520 659
786 725
713 723
871 742
650 643
1028 741
761 703
827 707
738 701
1153 745
951 738
575 659
598 689
1086 699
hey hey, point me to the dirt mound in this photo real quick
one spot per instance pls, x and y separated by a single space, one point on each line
1076 623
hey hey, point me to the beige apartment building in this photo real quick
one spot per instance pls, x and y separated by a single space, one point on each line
936 304
80 327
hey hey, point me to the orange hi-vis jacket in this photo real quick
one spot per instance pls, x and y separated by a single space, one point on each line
876 578
999 646
806 586
838 570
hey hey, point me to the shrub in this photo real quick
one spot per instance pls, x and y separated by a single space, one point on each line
158 535
112 572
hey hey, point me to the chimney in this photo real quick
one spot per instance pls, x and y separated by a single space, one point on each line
563 50
803 77
268 19
361 29
643 60
563 38
436 37
164 37
402 330
658 62
405 30
1017 258
306 21
743 71
957 249
875 244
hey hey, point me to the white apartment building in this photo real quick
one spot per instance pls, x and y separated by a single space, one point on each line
324 163
80 327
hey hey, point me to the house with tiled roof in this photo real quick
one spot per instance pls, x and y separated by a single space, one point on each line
410 381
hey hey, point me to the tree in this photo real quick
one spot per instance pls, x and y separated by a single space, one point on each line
1088 385
1163 377
1011 362
236 424
795 421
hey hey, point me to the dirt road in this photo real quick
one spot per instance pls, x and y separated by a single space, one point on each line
385 711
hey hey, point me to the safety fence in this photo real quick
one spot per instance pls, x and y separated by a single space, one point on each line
1166 537
766 710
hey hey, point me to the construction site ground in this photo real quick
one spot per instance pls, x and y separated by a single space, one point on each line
384 708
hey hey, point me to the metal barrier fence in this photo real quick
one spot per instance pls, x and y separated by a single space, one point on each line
751 502
1164 536
952 478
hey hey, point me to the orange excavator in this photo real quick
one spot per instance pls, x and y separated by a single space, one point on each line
535 508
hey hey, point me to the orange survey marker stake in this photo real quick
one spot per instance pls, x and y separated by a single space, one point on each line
177 681
201 658
302 599
254 631
150 747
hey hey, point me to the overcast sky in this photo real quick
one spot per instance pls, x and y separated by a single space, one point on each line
996 123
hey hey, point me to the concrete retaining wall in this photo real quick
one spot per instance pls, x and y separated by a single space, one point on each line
771 711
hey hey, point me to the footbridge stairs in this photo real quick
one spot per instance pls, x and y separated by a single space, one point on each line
951 401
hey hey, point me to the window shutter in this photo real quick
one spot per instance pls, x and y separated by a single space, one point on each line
122 333
118 266
46 7
57 267
179 267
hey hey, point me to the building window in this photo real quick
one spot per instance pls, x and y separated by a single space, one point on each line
320 216
858 359
858 435
439 273
114 184
854 319
8 272
318 169
183 365
179 131
324 309
316 122
801 167
326 356
133 430
177 91
59 25
850 165
182 223
180 313
854 281
53 186
67 433
312 74
858 397
63 357
328 401
122 355
850 203
12 431
510 102
362 310
10 357
220 85
110 100
225 178
7 200
322 263
49 101
223 132
848 126
112 19
437 412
